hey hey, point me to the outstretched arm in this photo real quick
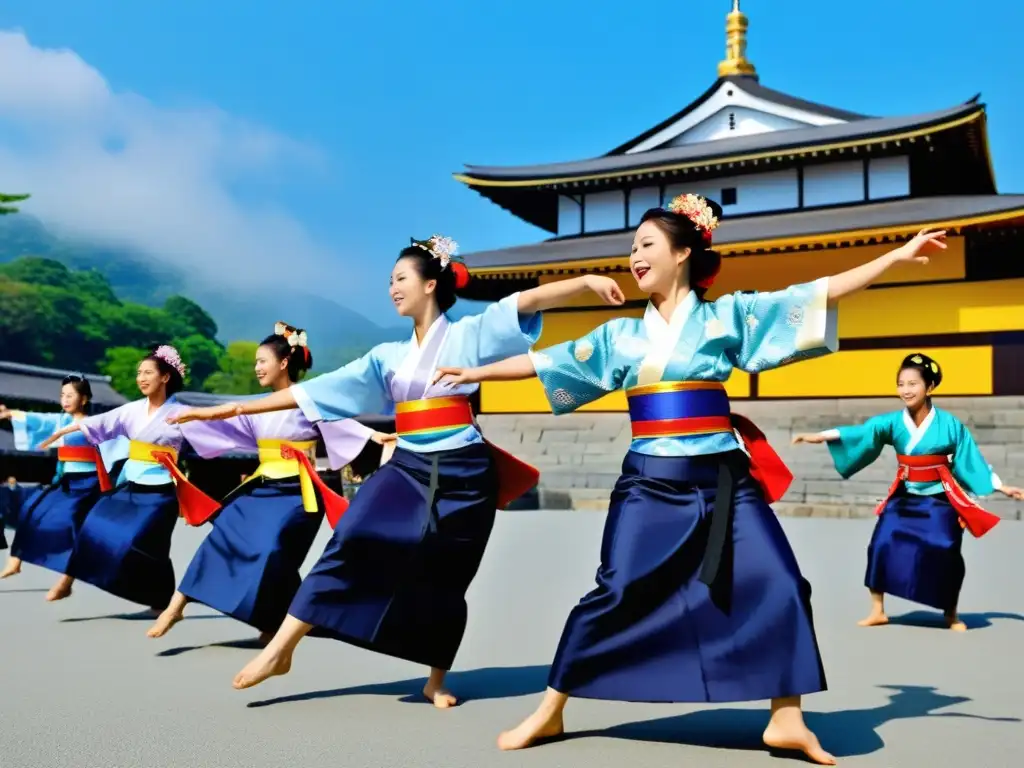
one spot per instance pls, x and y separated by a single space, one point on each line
282 400
58 435
858 278
558 293
828 436
510 369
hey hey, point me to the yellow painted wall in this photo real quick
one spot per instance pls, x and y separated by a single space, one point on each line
870 372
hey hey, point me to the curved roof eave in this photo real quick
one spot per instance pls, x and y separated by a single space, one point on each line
724 150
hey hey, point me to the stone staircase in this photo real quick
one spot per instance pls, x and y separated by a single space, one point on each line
579 455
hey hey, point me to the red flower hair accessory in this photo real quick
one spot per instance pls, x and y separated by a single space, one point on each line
697 210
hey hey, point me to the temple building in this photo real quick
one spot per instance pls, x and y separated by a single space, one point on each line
807 190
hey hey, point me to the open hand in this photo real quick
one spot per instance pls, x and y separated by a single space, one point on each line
381 438
925 240
5 412
212 413
451 377
49 441
606 288
805 437
1013 492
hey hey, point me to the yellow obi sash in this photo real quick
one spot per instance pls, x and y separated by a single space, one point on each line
273 466
144 452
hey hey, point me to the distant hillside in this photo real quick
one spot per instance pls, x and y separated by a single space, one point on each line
335 331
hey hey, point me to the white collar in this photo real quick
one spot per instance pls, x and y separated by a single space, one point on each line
430 331
917 433
655 324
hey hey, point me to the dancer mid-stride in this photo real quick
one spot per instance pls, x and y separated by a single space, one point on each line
248 567
50 519
699 595
124 545
915 550
394 576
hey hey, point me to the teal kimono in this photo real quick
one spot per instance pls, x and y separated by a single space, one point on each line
915 549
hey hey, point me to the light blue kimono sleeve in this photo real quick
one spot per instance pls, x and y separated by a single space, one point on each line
31 429
857 446
779 327
500 331
575 373
354 389
969 467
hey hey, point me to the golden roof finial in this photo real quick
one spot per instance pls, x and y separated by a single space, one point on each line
735 62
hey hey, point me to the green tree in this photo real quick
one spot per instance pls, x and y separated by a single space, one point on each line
201 355
37 270
6 200
195 318
121 365
236 376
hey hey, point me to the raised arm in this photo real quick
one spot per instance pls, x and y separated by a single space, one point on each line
551 295
973 472
858 278
856 446
282 400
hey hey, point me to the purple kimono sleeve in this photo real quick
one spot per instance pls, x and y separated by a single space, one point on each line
214 438
344 440
106 426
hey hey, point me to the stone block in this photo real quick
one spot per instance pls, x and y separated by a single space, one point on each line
531 435
602 480
563 447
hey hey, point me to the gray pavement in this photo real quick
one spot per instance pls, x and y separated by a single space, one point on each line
81 685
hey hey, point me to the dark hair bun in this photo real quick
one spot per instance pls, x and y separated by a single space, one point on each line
931 372
298 355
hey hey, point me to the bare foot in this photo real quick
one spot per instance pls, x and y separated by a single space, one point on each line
164 622
60 590
874 620
12 568
439 697
265 638
797 739
538 726
955 624
268 664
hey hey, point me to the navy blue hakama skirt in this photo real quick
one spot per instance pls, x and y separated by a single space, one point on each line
394 576
654 631
248 567
124 545
914 551
49 525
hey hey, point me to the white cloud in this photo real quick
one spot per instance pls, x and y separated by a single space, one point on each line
117 169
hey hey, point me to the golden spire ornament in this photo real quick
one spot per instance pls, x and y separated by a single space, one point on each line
735 62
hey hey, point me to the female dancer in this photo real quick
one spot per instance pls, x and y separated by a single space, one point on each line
915 549
49 522
248 567
394 576
699 595
123 547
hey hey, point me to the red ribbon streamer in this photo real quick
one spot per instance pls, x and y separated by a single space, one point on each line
334 505
195 506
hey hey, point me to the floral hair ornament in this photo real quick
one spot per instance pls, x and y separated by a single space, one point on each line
444 249
697 210
296 337
170 356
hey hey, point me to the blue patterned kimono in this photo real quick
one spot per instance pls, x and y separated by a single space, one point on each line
51 518
915 550
394 576
690 605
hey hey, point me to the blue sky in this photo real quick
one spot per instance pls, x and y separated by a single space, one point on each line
369 107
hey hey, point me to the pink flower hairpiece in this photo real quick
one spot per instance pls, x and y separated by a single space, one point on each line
697 210
170 356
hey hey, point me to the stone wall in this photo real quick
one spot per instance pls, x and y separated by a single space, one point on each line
579 455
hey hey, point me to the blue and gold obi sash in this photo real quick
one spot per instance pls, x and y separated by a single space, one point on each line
679 409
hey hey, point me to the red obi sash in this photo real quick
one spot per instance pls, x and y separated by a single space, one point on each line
86 454
930 469
194 505
687 408
431 418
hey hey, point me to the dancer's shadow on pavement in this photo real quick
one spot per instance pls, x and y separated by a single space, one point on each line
466 685
247 644
138 616
937 620
847 733
22 591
